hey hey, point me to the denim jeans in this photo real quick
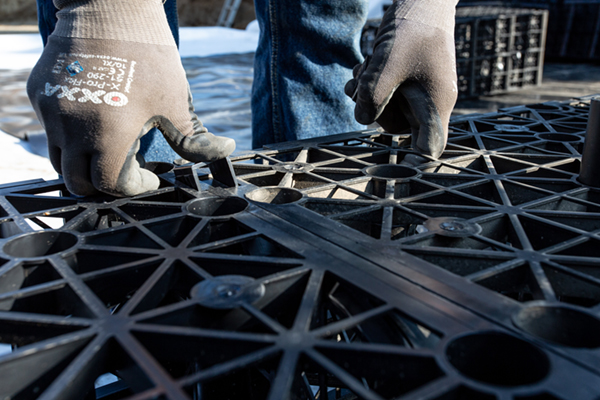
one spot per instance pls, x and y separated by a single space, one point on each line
153 146
305 56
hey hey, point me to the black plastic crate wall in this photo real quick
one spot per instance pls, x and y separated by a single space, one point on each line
573 27
498 49
575 31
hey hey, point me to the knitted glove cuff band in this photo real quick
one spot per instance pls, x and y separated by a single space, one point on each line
436 13
141 21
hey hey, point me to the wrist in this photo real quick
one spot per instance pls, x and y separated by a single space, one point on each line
142 21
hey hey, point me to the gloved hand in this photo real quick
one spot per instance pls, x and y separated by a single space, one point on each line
410 80
109 73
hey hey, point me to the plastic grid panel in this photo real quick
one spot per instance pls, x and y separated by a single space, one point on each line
117 289
203 294
502 208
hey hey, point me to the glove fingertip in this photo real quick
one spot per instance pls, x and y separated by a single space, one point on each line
357 70
145 181
228 147
148 180
205 147
350 88
363 116
132 181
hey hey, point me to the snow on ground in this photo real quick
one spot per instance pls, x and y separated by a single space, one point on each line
21 51
210 41
17 163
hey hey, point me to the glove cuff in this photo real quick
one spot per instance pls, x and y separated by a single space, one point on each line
141 21
436 13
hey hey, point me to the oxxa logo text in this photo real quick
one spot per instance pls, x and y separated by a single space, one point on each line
115 99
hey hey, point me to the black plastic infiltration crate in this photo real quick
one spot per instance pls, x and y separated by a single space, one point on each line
574 32
326 270
498 49
573 27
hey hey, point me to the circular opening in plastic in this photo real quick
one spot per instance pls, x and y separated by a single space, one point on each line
498 359
159 167
40 244
562 325
227 291
274 195
218 207
559 137
452 227
391 171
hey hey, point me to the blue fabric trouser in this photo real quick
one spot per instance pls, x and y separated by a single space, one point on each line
305 56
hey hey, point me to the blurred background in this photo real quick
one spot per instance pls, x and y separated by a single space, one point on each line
191 12
508 53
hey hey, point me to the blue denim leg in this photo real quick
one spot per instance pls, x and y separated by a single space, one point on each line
305 56
46 18
153 145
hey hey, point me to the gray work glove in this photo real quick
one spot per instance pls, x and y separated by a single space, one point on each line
410 80
109 73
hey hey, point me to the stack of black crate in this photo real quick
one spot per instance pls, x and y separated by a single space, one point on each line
498 49
573 27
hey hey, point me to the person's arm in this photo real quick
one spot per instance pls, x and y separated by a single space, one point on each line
109 73
410 80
